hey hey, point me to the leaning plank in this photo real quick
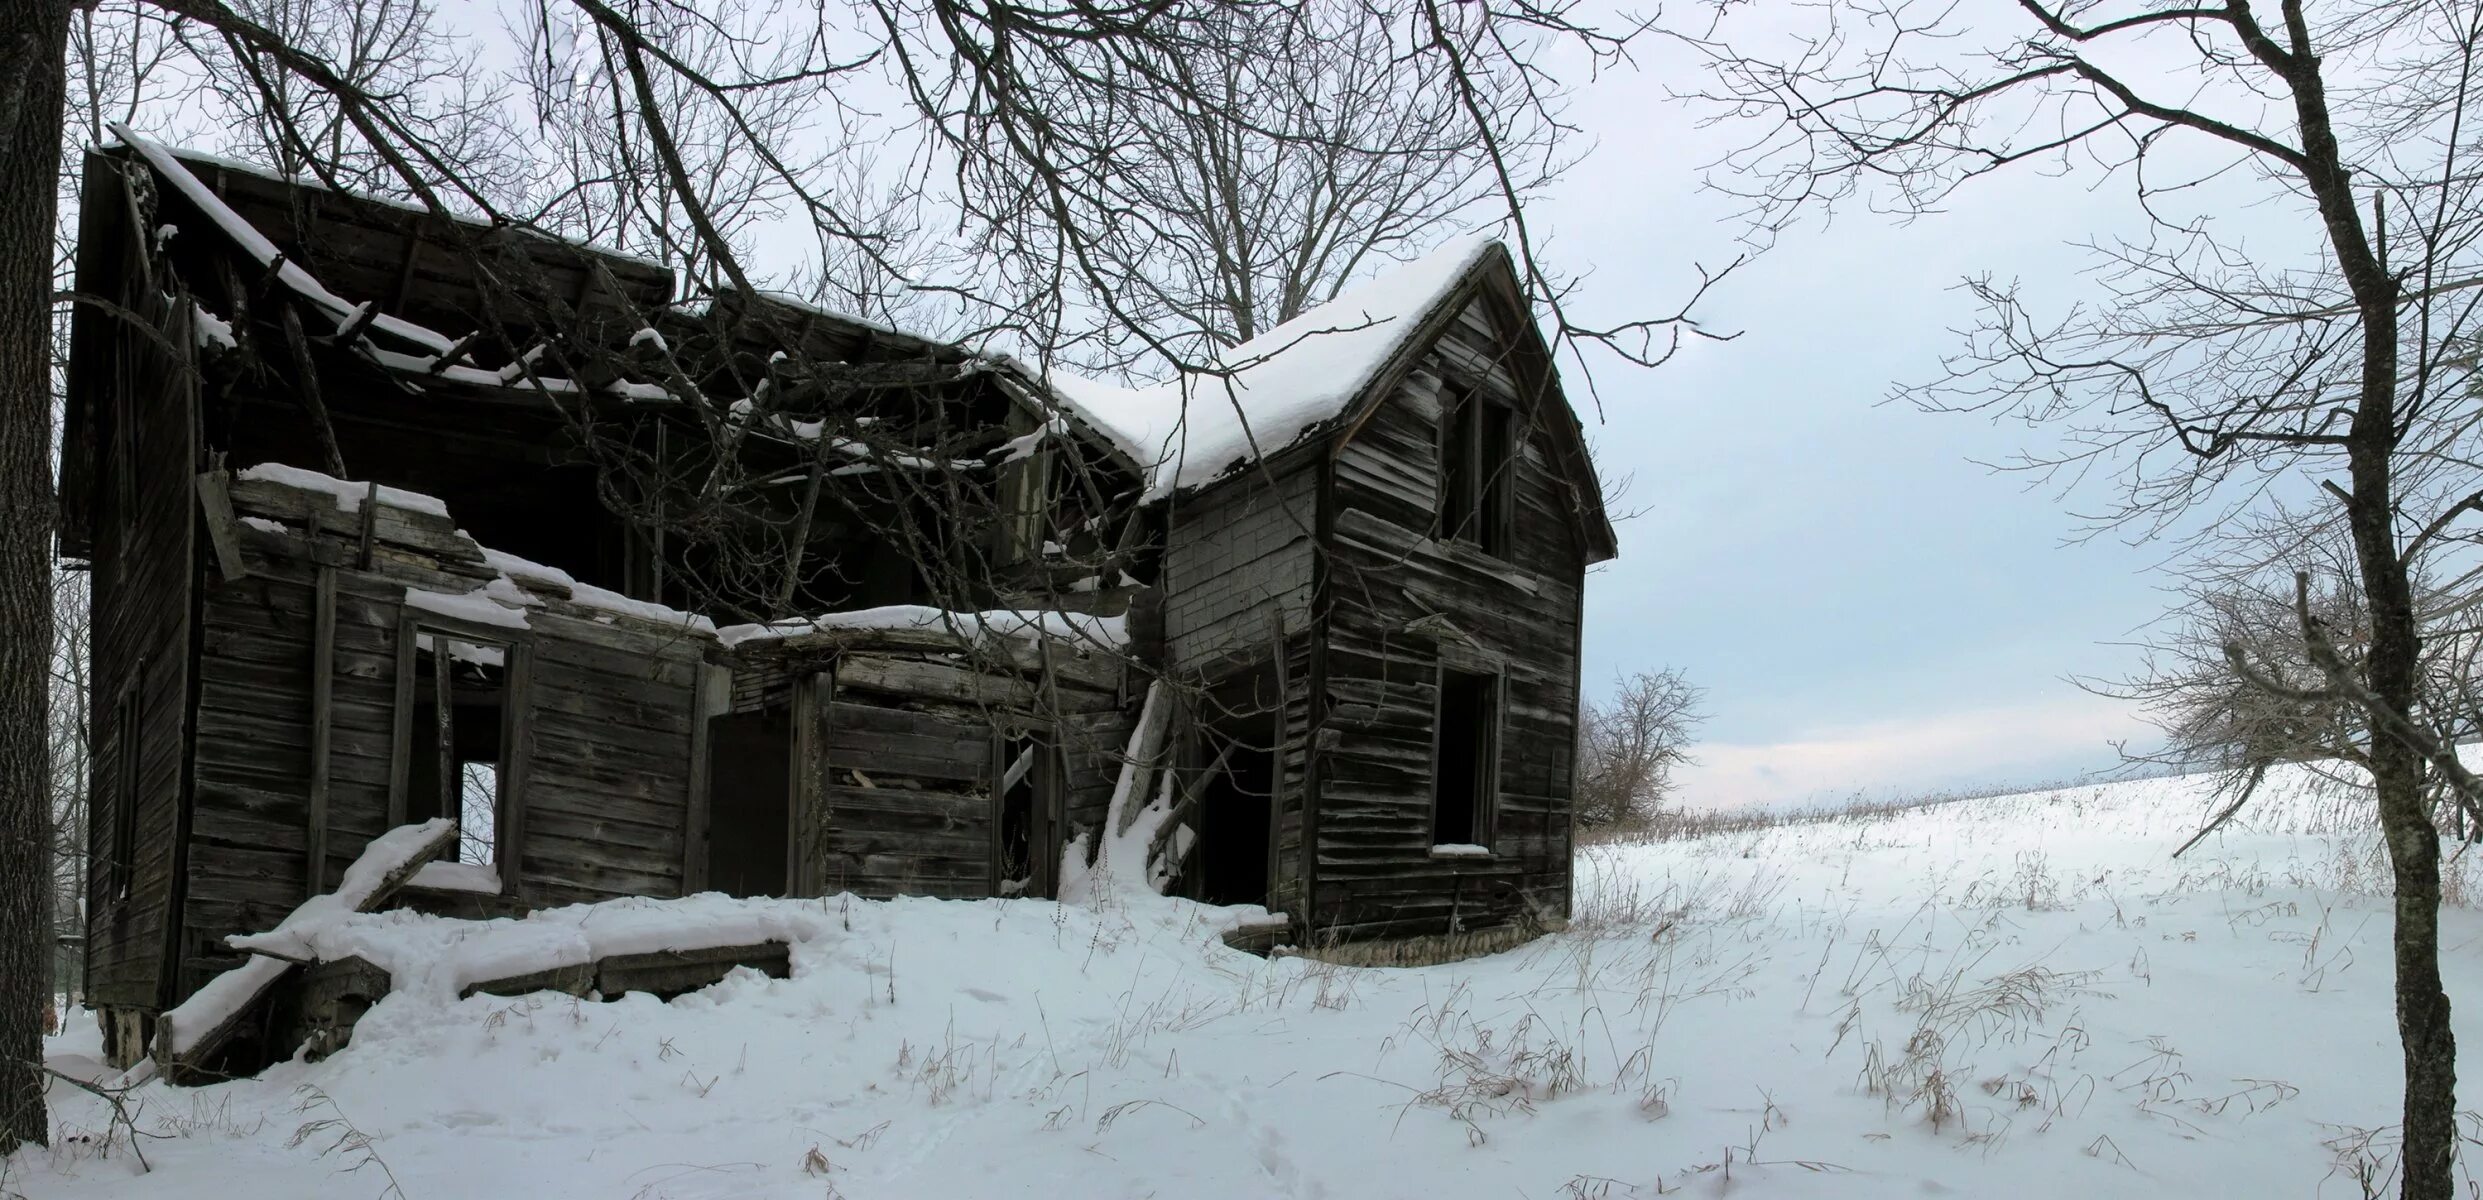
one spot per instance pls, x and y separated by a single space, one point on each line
190 1036
215 504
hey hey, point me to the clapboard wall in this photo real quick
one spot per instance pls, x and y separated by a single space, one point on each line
142 562
1239 582
1375 873
601 807
1237 559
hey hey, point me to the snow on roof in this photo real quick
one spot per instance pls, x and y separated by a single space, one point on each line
255 244
263 171
348 493
480 606
586 595
1274 388
1106 632
247 237
502 601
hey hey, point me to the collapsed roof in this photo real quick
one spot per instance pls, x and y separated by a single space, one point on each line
1293 386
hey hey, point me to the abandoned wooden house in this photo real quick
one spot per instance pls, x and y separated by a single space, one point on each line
650 597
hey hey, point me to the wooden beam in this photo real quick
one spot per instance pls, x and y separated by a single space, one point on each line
712 697
803 823
322 725
306 385
188 1066
370 525
215 503
451 797
517 756
401 744
405 270
1276 751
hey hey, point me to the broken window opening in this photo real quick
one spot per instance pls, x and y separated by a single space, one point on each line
119 858
1465 781
1024 849
1477 458
457 764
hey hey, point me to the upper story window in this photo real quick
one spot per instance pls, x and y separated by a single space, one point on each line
1477 463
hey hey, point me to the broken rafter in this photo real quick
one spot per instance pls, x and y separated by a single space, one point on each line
306 385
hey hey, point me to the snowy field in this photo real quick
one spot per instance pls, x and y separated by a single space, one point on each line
2017 996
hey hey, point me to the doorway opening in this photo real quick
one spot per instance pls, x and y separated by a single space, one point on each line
1026 842
1236 746
750 801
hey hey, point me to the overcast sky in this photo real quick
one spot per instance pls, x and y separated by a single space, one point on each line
1868 609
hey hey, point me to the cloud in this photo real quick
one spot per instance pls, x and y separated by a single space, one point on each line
2029 743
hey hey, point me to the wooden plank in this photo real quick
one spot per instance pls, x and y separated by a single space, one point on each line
576 980
190 1065
1276 801
400 743
669 973
517 757
811 706
713 697
449 802
322 727
937 680
215 504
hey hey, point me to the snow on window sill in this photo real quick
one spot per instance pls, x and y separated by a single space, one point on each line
1461 850
457 877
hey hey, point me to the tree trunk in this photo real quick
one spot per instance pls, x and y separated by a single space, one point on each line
2429 1046
33 46
2397 768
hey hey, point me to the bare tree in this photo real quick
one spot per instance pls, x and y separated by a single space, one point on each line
2208 381
1267 182
384 48
33 94
2236 688
1629 746
72 759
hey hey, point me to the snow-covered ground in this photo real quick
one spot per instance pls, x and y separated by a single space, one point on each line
2017 996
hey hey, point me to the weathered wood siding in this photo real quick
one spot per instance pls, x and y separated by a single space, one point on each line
1238 577
142 582
1375 875
907 746
905 795
611 766
602 805
1235 555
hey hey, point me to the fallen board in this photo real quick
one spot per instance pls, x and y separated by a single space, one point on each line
190 1038
669 973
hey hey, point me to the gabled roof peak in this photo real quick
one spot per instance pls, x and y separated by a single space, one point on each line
1271 391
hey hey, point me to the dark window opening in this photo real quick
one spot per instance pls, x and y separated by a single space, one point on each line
1025 843
750 801
121 852
1465 759
1235 808
1477 459
458 761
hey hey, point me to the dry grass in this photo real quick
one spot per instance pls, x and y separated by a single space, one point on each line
1674 825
